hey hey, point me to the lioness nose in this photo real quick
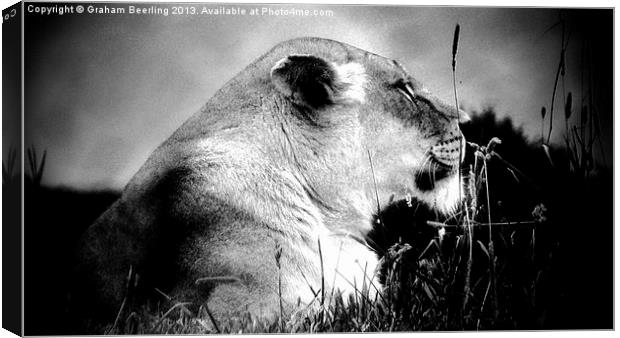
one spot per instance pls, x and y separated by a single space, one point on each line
463 116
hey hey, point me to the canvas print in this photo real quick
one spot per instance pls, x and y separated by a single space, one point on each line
198 168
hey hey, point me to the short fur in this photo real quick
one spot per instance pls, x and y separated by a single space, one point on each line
292 152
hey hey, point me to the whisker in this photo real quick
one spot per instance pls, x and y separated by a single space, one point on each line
427 159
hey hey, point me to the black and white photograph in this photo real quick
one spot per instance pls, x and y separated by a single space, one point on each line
243 168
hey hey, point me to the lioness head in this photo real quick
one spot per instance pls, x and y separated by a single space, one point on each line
375 125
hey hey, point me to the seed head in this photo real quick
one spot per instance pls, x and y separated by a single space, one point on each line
455 44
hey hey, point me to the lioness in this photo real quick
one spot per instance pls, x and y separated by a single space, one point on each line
276 181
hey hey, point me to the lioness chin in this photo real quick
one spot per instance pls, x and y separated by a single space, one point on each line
267 192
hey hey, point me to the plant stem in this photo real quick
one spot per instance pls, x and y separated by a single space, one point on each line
491 245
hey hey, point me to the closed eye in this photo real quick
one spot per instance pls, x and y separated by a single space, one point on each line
406 89
420 102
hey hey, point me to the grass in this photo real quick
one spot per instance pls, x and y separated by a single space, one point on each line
424 291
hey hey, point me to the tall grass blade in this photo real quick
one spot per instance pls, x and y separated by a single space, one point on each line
492 275
322 274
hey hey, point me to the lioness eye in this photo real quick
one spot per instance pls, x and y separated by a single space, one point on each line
405 89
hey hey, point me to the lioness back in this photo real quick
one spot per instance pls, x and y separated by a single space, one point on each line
269 190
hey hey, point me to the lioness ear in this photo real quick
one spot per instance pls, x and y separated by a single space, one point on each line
314 82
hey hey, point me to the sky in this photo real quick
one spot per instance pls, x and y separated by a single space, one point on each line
103 91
